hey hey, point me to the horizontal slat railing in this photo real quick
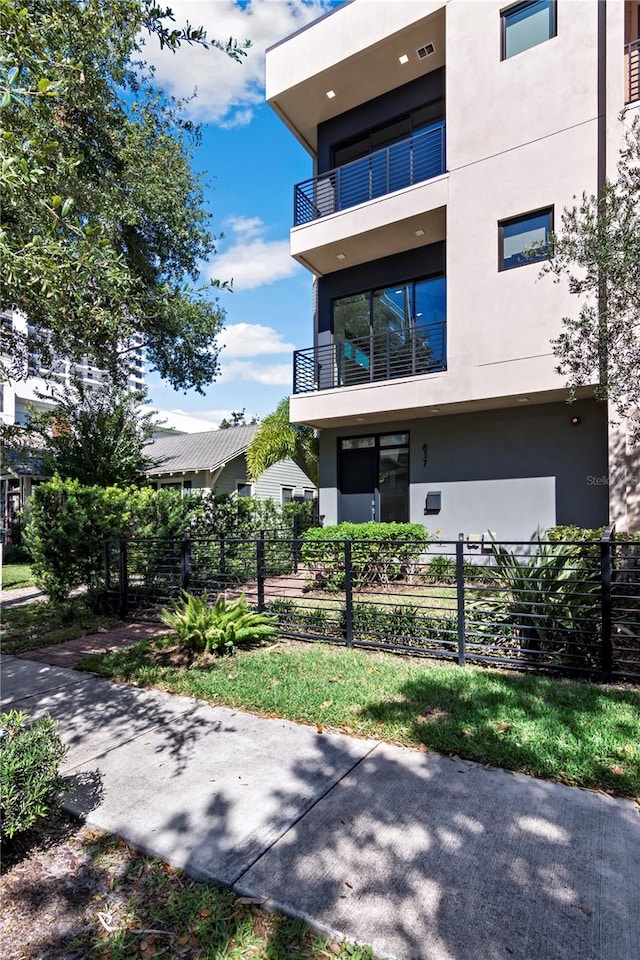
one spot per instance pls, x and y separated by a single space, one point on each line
414 160
379 356
632 71
572 608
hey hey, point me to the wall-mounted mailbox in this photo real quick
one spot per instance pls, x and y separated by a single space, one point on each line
433 503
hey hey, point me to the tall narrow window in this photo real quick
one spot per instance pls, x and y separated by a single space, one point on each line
524 239
526 25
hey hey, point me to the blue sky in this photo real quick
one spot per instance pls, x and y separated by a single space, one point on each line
252 163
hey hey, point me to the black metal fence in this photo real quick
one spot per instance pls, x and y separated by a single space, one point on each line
572 607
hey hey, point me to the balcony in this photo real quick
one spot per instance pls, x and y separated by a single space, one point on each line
632 71
377 357
402 164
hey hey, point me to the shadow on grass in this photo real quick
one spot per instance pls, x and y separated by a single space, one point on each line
565 730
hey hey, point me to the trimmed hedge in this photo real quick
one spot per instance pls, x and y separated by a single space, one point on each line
380 553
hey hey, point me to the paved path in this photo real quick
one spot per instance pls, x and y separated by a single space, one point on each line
424 857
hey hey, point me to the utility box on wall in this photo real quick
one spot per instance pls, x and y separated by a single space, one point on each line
433 502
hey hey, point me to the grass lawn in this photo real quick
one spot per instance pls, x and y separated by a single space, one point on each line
579 733
39 624
16 575
125 905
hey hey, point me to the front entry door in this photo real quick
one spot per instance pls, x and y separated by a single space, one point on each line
373 478
358 466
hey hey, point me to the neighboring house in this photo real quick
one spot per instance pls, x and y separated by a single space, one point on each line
447 138
21 469
216 461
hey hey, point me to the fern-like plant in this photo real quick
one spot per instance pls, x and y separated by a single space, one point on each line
205 629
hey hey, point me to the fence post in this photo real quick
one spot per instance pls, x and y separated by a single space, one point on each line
107 566
296 542
123 586
460 598
606 567
260 570
185 563
348 594
222 572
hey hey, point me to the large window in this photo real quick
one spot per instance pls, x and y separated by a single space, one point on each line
524 239
526 25
396 331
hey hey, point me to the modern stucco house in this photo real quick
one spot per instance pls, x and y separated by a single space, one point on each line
447 137
216 461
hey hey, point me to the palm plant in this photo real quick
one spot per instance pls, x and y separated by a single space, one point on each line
279 439
221 627
549 602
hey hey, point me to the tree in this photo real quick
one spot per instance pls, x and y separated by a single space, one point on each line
277 439
96 436
598 253
102 229
238 419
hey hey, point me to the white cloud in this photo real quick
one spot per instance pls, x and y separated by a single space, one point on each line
227 90
252 340
246 227
255 264
270 375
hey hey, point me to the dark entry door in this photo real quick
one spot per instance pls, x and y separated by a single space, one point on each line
373 478
358 475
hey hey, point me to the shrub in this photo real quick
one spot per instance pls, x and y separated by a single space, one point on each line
206 629
29 761
548 602
380 553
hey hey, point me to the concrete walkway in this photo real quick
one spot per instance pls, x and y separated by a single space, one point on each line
423 857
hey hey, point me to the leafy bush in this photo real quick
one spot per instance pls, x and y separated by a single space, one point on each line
29 761
380 553
205 629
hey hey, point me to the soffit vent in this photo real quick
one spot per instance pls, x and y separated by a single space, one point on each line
425 51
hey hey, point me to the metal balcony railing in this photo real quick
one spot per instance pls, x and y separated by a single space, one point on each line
399 165
379 356
632 71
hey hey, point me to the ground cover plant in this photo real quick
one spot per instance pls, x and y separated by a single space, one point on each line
16 575
40 624
82 893
566 730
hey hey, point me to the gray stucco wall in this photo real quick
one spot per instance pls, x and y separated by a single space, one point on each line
512 471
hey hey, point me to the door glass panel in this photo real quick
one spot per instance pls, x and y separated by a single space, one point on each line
431 312
351 317
394 440
352 339
393 480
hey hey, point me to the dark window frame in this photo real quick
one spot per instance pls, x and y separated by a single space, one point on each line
370 291
502 267
377 437
516 8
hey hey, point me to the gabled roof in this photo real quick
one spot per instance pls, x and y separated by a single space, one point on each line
189 452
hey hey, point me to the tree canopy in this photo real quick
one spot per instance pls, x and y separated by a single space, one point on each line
238 419
97 435
103 228
597 251
278 439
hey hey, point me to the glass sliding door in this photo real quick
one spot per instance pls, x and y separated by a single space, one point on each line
396 331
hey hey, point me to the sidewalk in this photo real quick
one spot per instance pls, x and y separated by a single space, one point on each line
423 857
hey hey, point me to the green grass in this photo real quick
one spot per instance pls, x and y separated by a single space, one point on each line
151 910
39 624
579 733
16 575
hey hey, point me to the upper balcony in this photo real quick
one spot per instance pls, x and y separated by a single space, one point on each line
632 71
350 57
410 161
